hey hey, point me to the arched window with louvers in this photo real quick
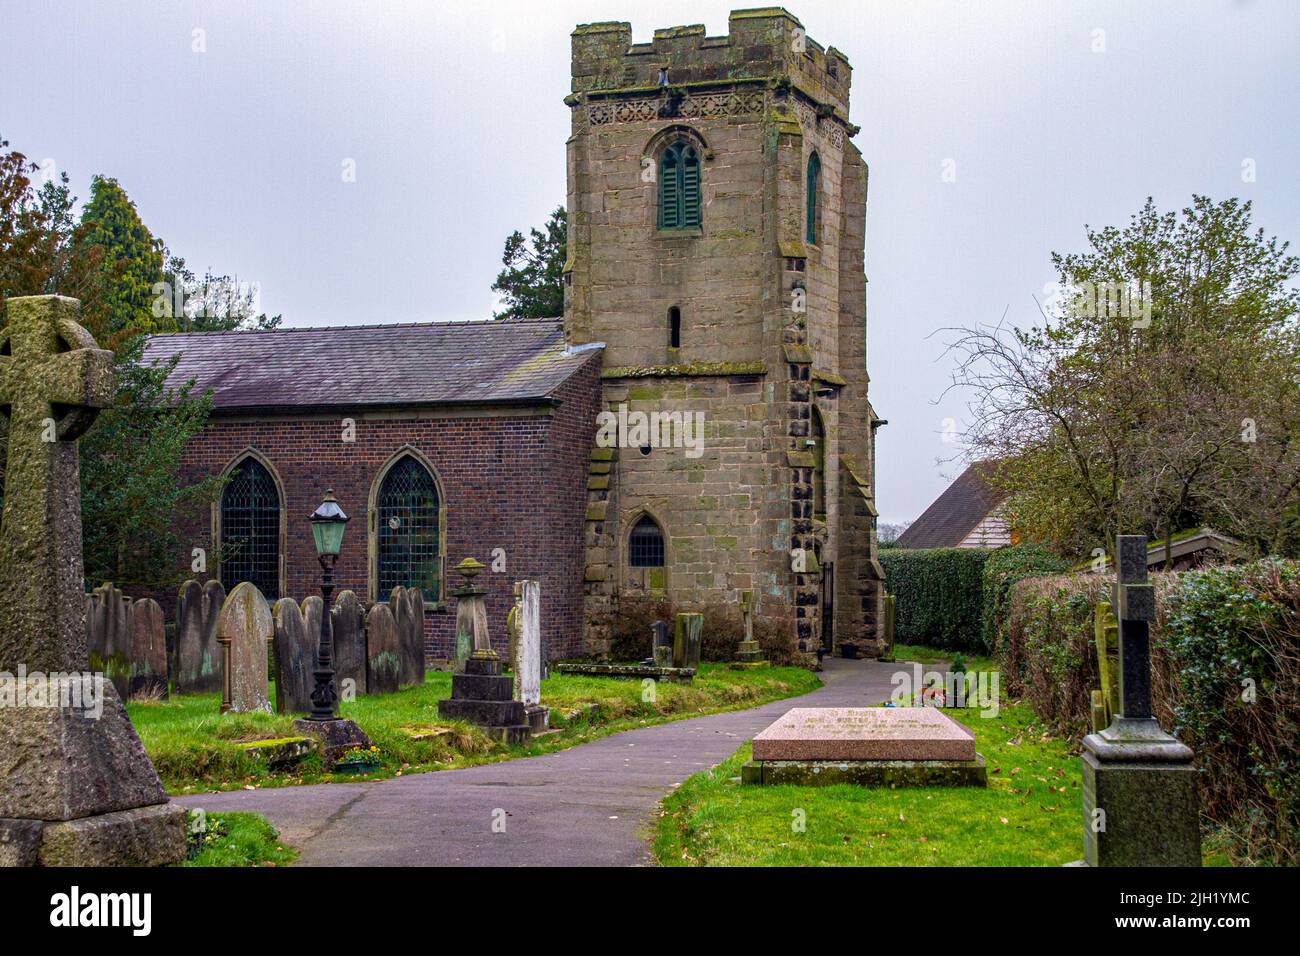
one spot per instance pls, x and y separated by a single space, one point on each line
680 203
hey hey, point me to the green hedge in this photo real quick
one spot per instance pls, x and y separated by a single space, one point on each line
1004 568
938 595
1221 635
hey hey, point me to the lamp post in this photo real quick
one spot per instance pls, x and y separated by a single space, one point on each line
327 524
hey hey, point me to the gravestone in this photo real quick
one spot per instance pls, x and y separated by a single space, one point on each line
512 635
108 635
383 652
528 667
661 645
198 663
686 641
349 628
244 629
148 649
1105 636
295 650
1140 803
76 787
748 653
410 634
482 694
889 609
869 746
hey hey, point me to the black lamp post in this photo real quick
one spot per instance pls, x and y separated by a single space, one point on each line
327 525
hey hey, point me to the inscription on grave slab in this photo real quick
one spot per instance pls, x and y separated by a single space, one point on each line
865 733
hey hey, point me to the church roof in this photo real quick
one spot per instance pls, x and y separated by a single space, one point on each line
511 361
956 512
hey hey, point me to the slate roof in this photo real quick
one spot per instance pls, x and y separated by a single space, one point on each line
956 512
513 361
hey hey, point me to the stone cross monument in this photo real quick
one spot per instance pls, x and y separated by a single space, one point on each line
1140 804
76 787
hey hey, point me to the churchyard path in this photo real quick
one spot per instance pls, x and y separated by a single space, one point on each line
590 805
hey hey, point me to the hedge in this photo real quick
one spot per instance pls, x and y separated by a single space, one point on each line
1004 568
938 595
1220 635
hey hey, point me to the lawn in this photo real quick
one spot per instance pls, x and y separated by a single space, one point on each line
195 748
1028 816
235 839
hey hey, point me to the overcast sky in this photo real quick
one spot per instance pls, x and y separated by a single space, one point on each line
232 142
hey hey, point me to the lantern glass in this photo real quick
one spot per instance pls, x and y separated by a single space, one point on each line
327 524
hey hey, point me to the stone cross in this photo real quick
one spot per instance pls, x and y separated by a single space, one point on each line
53 382
1135 607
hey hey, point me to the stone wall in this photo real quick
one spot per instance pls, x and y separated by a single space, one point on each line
509 478
756 105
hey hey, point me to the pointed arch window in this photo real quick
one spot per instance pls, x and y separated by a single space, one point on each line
814 184
819 465
407 523
679 187
645 546
250 529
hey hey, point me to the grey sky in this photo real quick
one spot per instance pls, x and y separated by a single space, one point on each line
453 114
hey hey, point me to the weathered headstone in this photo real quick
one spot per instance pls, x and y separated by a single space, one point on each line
198 667
148 649
1105 635
383 652
108 636
661 645
410 635
415 598
295 649
748 653
349 629
512 635
686 641
528 666
1140 803
244 628
76 787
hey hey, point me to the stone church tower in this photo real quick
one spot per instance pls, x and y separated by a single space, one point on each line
716 218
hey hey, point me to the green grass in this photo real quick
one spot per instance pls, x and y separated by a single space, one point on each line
1029 815
236 839
194 746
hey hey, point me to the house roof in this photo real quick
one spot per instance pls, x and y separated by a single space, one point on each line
511 361
956 512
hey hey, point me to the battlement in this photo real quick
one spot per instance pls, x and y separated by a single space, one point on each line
765 44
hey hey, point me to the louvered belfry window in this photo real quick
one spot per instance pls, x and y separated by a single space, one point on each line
407 515
250 529
646 545
679 187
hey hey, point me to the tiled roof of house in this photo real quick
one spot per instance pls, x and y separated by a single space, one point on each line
956 512
505 362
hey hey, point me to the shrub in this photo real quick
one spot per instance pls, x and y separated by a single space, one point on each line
631 639
938 595
1004 568
1218 633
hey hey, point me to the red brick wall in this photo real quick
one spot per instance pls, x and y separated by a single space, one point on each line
513 481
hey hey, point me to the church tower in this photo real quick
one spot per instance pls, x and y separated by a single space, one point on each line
717 209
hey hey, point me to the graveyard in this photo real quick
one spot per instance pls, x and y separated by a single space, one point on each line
604 565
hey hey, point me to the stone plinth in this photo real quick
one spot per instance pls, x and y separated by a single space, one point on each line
865 733
336 737
868 773
483 695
